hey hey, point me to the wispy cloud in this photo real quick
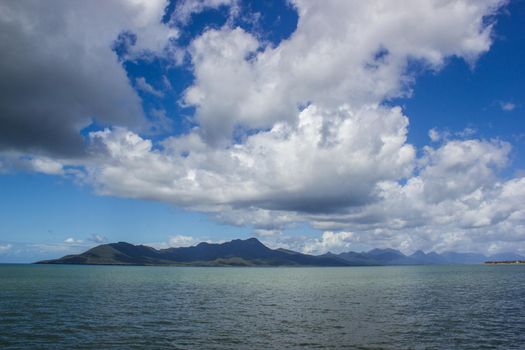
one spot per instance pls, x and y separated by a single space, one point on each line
31 252
144 86
5 247
507 106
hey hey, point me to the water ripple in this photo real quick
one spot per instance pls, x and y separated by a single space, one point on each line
101 307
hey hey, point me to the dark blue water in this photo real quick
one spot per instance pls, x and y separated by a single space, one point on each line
417 307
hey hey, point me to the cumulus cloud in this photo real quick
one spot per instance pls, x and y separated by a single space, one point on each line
452 195
456 200
297 132
181 241
434 135
329 241
59 72
325 150
335 160
357 58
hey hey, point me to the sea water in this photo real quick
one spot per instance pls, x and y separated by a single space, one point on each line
126 307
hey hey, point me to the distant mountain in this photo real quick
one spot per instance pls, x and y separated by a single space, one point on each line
506 257
464 258
382 257
476 258
391 257
358 259
431 258
394 257
251 252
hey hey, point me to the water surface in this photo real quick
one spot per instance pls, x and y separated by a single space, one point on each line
415 307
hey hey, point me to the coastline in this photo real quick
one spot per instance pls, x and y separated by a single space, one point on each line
505 262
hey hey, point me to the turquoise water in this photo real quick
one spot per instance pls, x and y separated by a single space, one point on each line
415 307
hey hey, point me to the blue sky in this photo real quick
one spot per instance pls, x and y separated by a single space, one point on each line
177 122
460 96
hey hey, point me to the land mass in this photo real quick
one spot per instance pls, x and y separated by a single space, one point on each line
506 262
251 252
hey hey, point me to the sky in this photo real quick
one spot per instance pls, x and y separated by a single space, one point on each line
312 125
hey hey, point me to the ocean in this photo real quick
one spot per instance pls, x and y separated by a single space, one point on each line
132 307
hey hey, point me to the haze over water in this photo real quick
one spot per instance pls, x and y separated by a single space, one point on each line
420 307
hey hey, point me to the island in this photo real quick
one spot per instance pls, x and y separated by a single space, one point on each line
506 262
252 252
249 252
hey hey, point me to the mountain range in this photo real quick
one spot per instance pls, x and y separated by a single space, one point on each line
251 252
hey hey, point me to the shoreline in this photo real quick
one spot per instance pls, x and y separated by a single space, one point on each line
505 262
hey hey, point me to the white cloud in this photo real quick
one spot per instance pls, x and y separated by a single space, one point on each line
434 135
330 241
10 161
166 82
72 240
181 241
97 238
446 135
47 166
60 54
186 8
31 252
456 201
94 238
177 241
453 197
326 150
5 247
160 123
356 59
299 132
265 233
143 85
507 106
329 160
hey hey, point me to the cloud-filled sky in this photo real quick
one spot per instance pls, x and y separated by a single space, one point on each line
313 125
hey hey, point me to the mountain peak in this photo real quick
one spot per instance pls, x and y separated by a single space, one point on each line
251 252
418 253
238 252
379 251
247 240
